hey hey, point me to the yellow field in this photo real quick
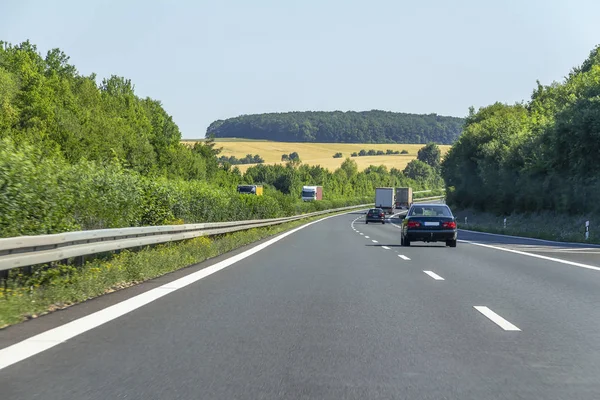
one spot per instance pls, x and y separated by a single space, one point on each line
319 153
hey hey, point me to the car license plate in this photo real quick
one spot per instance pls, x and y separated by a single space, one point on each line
432 224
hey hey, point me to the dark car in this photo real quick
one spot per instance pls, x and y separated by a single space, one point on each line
375 215
429 223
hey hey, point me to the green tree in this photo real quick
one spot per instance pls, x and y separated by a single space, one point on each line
430 155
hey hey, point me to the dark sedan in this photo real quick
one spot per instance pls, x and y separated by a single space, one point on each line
429 223
375 215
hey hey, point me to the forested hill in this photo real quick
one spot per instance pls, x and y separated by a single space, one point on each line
341 127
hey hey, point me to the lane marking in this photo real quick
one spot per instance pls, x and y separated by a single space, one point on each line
402 256
36 344
385 247
374 241
366 237
576 264
362 234
498 320
532 239
434 275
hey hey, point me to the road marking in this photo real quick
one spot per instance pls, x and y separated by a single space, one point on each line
434 275
532 239
385 247
402 256
498 320
50 338
366 237
362 234
534 255
374 241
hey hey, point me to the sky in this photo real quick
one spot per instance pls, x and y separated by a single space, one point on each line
210 60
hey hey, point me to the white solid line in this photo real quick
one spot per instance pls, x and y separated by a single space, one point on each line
50 338
374 241
434 275
534 255
498 320
402 256
385 247
532 239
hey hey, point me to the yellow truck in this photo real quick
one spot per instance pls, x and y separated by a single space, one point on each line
256 190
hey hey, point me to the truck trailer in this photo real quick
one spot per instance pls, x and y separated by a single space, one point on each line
384 199
404 197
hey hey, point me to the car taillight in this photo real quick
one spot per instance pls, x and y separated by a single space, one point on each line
381 215
413 224
449 225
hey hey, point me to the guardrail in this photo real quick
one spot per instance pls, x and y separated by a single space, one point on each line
25 251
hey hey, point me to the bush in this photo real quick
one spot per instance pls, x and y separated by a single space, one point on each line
337 155
404 152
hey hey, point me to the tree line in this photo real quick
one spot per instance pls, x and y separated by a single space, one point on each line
341 127
248 159
76 154
373 152
537 155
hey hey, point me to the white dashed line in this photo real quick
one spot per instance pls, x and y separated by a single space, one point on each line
434 275
362 234
385 247
366 237
374 241
498 320
402 256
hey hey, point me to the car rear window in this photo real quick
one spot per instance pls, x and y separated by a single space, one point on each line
430 211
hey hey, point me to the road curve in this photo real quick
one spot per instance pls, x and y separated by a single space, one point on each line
339 310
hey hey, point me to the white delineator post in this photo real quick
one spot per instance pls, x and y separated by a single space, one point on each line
587 230
465 220
504 223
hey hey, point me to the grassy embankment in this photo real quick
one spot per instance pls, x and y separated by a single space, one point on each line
545 225
319 153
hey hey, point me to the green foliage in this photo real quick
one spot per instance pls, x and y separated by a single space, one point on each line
373 152
249 159
354 154
346 127
430 154
404 152
338 155
541 155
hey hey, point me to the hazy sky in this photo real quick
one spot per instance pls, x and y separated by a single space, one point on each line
208 60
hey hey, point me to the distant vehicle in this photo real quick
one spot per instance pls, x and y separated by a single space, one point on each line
429 223
384 199
404 197
312 193
375 215
250 189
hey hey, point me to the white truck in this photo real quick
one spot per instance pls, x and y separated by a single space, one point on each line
312 193
384 199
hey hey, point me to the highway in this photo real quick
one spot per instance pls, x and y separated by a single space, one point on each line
338 310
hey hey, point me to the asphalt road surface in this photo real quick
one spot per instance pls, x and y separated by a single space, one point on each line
338 310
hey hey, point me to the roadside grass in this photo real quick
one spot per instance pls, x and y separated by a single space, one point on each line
50 289
318 153
544 225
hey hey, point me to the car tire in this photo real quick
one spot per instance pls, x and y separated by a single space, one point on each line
405 242
383 222
451 243
366 222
